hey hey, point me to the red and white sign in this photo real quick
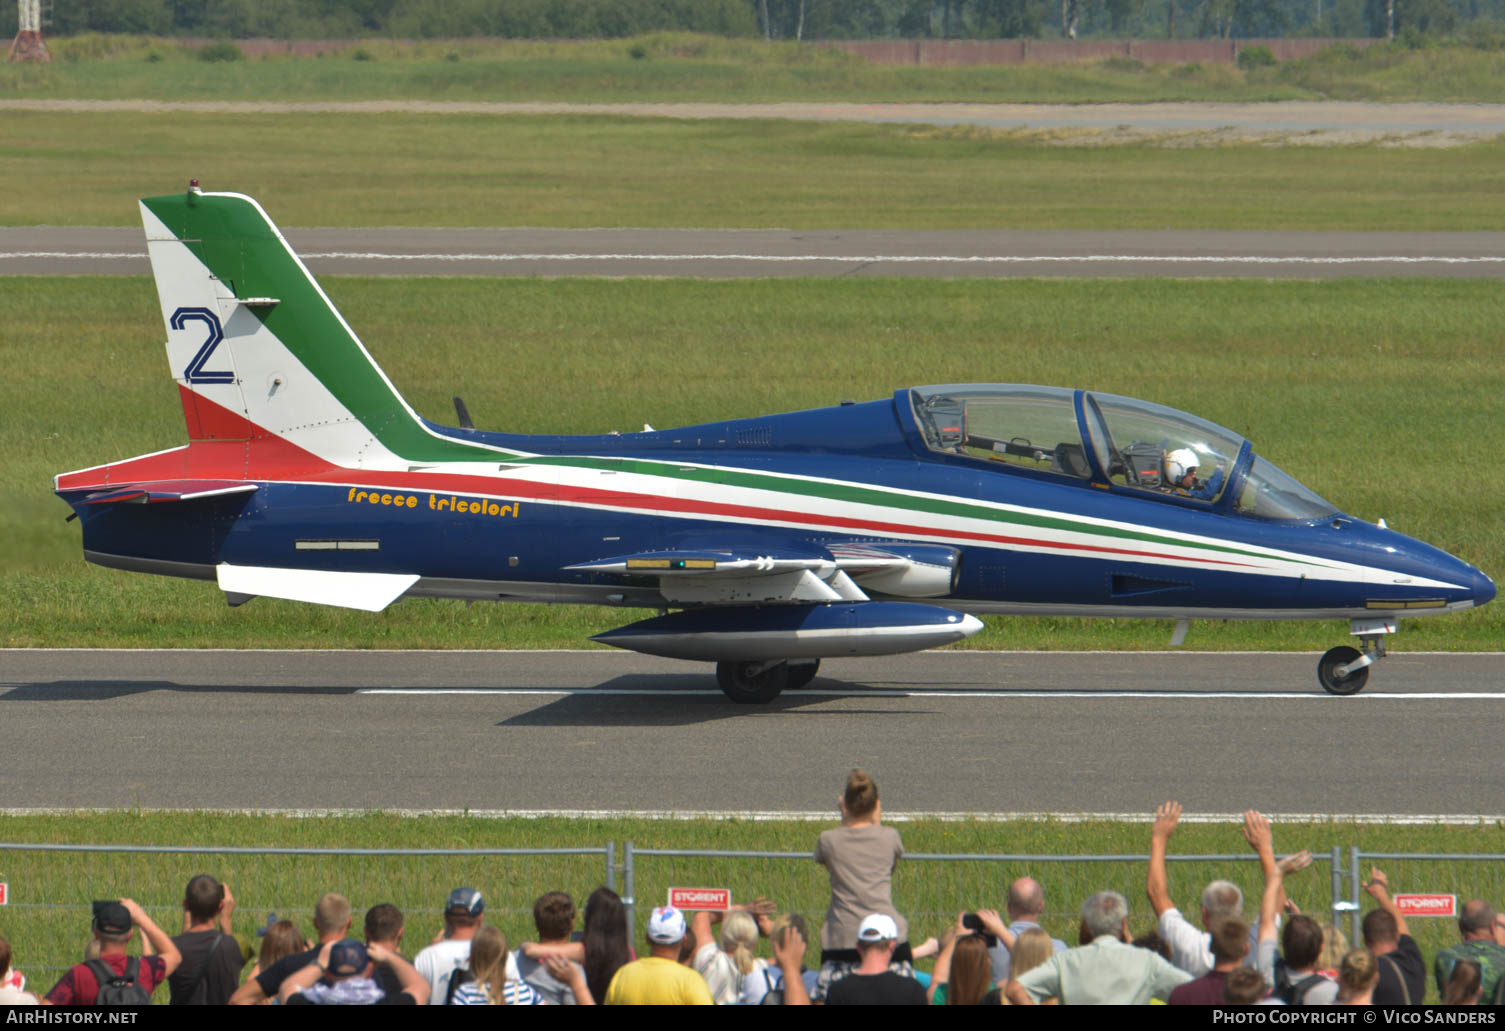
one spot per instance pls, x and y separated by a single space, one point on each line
4 893
716 900
1427 905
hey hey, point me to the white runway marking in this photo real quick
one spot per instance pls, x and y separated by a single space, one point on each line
72 254
868 259
594 692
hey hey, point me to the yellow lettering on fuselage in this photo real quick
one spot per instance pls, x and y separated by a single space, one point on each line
436 503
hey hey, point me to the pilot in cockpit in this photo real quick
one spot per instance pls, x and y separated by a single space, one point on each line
1179 473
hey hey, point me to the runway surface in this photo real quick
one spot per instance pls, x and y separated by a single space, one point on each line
974 732
722 253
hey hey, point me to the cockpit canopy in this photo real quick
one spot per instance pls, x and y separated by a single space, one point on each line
1106 438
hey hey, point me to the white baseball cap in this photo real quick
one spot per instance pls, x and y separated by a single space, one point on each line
1180 462
877 927
666 926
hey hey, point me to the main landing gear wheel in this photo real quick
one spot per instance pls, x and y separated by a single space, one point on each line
1327 671
753 683
801 673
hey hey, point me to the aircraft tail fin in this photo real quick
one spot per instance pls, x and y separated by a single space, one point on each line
253 339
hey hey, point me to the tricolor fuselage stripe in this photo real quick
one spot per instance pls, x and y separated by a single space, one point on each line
713 477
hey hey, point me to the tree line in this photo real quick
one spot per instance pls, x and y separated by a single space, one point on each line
770 19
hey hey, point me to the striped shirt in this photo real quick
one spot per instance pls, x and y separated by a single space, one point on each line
514 993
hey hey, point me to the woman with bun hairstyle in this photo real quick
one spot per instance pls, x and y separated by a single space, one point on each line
1357 975
860 857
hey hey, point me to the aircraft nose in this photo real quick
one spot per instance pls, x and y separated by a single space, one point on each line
1483 589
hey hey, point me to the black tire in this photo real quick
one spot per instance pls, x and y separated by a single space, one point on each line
1327 671
801 673
746 688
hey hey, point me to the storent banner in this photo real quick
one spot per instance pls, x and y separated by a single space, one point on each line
716 900
1427 905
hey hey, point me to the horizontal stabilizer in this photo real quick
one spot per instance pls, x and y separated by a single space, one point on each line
370 592
166 491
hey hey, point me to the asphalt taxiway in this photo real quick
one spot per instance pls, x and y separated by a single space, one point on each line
979 732
733 253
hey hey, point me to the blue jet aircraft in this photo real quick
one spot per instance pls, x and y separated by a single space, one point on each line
767 544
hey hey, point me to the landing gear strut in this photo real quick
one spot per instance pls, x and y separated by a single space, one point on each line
1344 670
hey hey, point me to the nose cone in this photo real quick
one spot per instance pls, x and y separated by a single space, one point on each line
1474 588
1483 588
1404 563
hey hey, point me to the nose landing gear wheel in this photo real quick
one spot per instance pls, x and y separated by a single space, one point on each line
1327 671
753 683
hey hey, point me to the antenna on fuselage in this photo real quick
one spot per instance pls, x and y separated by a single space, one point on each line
463 414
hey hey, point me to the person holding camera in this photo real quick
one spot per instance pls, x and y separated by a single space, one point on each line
117 978
963 971
212 958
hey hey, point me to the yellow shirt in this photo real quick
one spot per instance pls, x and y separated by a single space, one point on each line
651 981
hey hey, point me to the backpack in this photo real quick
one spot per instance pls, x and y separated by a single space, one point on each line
1293 993
119 989
462 975
774 993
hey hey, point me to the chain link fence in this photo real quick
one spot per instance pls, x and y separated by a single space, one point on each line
930 889
47 915
49 910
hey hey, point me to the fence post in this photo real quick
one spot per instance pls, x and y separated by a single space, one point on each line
1336 866
611 865
629 897
1353 915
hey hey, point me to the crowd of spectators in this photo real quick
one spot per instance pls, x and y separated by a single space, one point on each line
1274 956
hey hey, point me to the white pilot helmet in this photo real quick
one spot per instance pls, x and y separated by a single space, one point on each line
1180 462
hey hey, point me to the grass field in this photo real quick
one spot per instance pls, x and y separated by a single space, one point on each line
1386 397
486 170
672 67
1395 407
47 919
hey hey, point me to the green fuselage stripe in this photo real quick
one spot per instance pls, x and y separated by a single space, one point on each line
876 496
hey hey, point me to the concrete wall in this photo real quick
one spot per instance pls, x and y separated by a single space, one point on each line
940 53
956 53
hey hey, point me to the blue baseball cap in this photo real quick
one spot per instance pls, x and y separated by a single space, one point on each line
464 902
347 958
